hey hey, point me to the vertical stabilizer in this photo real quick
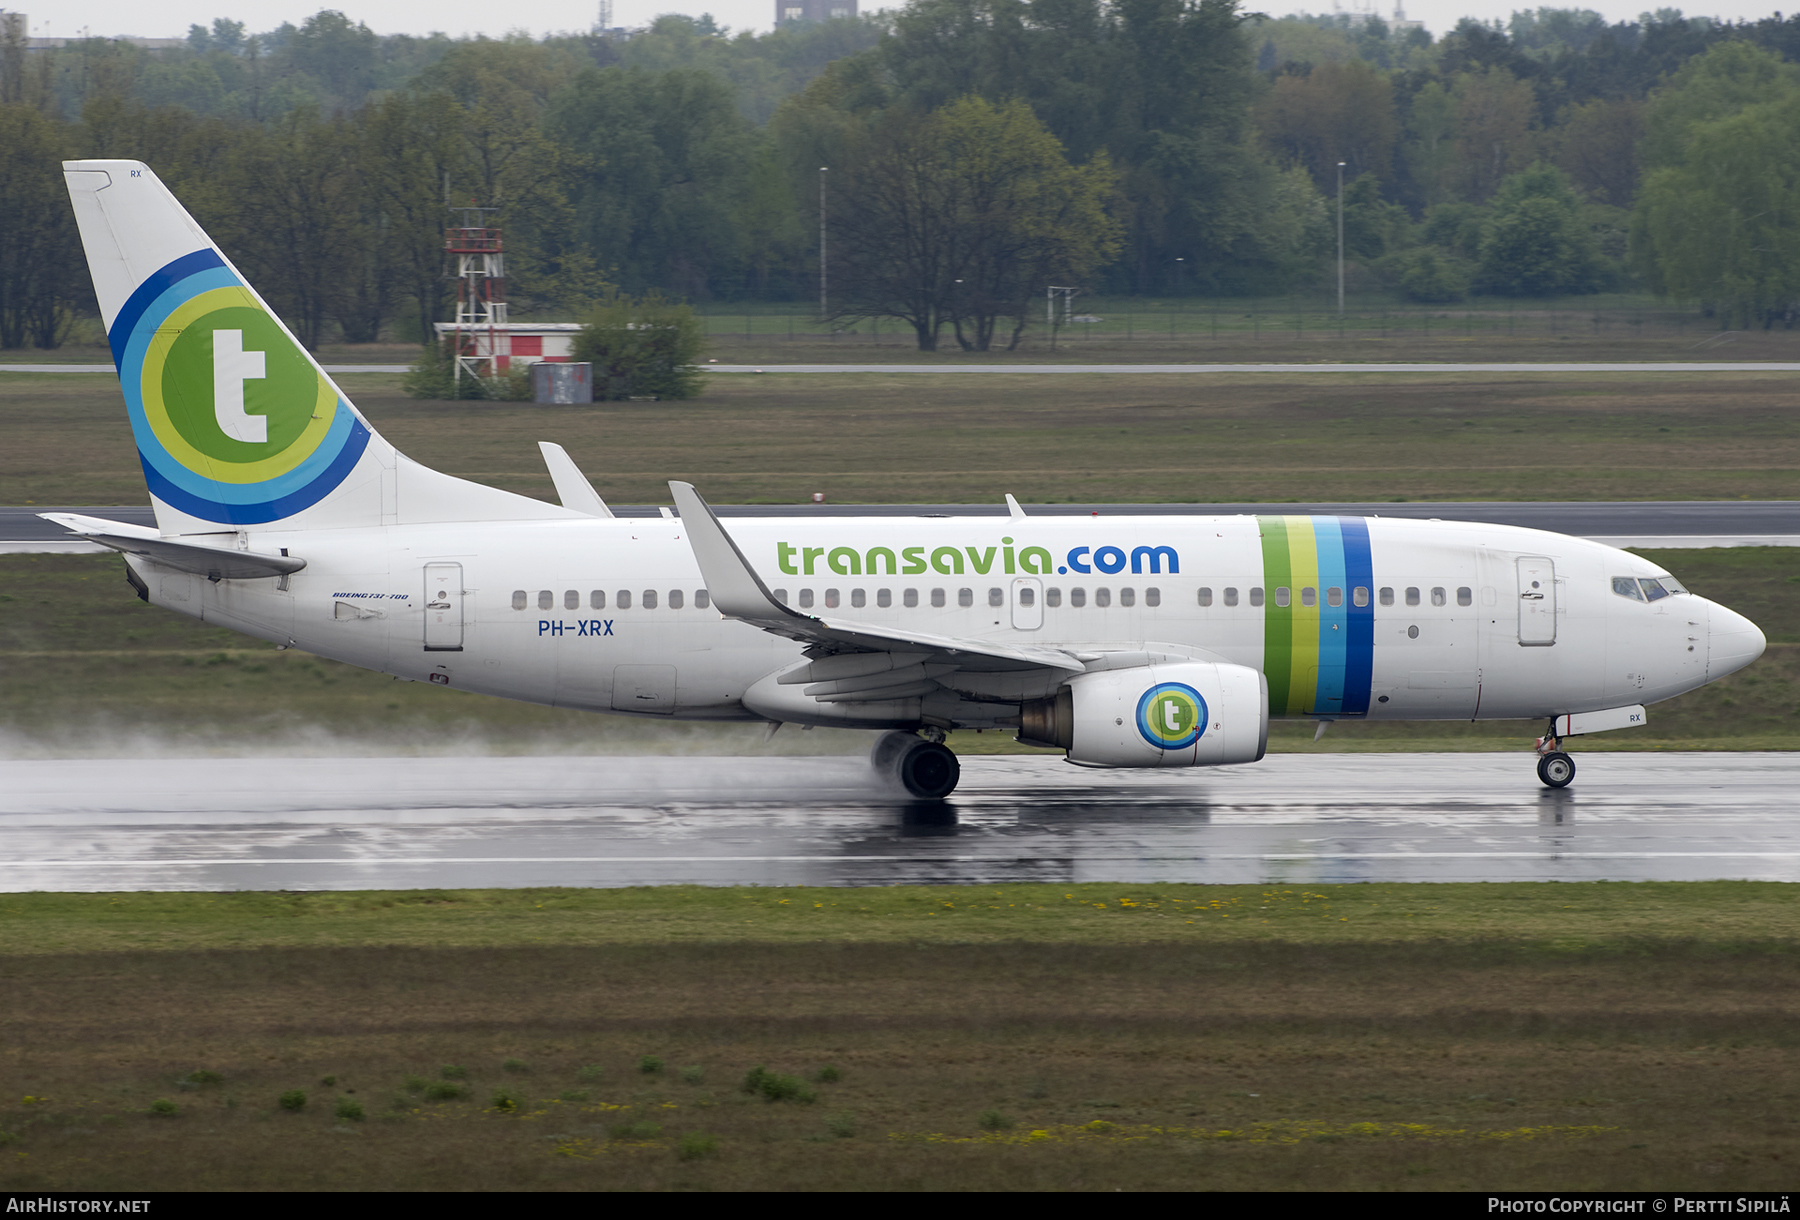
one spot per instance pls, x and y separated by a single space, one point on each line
237 426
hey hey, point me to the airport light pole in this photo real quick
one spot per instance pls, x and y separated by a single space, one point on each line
1340 240
823 312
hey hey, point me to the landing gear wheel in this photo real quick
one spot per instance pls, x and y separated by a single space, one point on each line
929 771
1556 769
884 756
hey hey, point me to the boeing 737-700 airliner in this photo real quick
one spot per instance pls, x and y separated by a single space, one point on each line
1124 641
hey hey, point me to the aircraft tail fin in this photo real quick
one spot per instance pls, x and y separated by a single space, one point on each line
237 426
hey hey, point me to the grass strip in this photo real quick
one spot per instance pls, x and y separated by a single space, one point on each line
1551 916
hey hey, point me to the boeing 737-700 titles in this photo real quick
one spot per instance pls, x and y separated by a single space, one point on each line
1123 641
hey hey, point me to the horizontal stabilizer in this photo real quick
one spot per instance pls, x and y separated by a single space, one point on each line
212 562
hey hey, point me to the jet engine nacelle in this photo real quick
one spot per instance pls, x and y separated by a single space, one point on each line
1181 714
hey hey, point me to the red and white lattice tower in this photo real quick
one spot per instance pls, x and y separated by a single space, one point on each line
480 337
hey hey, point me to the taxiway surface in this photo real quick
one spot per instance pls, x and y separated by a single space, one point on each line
402 823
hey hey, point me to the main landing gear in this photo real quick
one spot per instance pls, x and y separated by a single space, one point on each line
924 766
1555 768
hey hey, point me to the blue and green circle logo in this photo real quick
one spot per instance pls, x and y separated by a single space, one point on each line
233 421
1171 715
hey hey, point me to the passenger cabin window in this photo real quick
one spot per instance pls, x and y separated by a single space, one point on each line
623 600
1334 596
1205 596
519 597
1309 597
781 595
1256 595
858 598
571 599
1153 597
996 597
702 599
1053 597
965 597
937 599
1360 596
675 599
1465 596
597 599
1387 595
1128 597
1027 596
1437 596
1231 596
806 599
1412 596
883 598
831 599
649 599
1283 595
1102 597
910 597
1078 597
546 599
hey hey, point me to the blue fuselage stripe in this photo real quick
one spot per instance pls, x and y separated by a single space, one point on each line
1359 661
1329 694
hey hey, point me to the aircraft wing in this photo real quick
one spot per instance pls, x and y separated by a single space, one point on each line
212 562
738 592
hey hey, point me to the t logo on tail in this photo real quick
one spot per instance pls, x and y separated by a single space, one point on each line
232 366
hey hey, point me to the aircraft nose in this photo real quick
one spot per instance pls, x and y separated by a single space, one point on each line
1733 641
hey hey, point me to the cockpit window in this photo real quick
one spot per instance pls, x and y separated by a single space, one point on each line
1646 588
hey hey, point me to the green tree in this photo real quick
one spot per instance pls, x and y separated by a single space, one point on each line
1723 225
1537 242
1337 112
1494 111
1718 218
1372 226
43 277
1599 148
662 177
298 226
641 348
963 216
1429 274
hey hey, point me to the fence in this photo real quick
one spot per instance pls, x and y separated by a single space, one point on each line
1205 324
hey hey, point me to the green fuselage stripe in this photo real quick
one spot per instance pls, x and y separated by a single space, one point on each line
1278 621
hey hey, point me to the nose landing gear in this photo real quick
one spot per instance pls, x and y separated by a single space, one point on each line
1555 768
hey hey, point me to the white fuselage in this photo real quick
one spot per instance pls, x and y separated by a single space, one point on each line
610 615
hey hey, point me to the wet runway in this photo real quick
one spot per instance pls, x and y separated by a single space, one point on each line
370 823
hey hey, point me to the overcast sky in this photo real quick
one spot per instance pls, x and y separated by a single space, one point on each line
171 18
